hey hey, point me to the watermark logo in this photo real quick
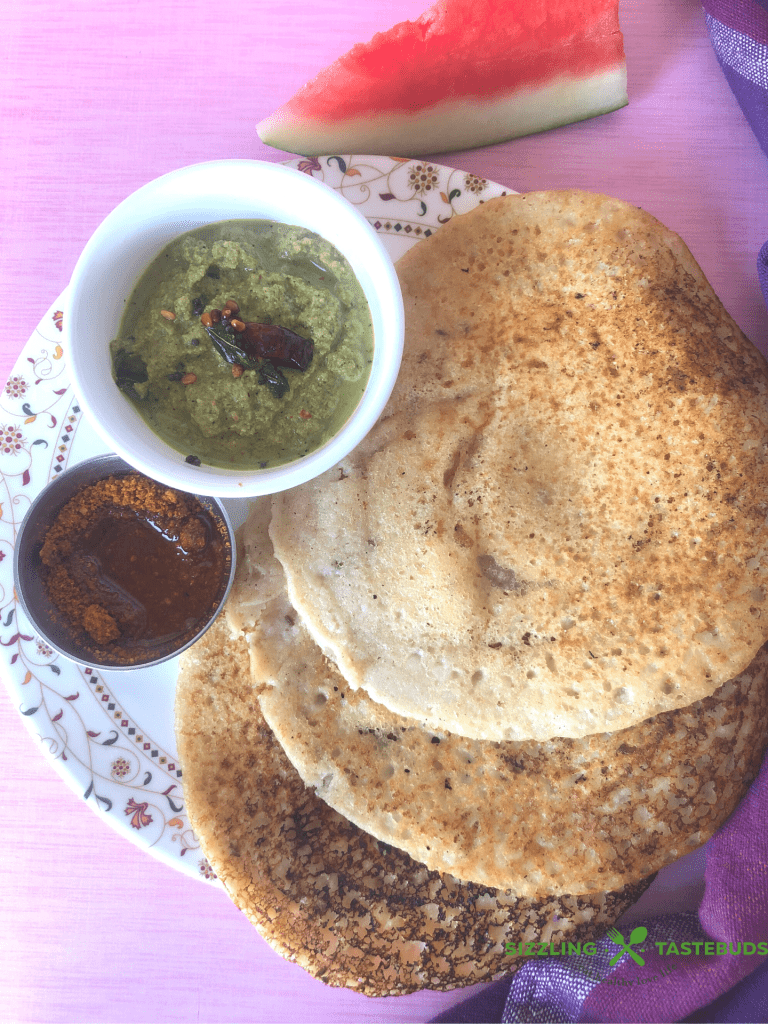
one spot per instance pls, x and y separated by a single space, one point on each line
639 934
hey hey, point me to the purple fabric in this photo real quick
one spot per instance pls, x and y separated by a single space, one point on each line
672 983
746 1001
739 33
762 268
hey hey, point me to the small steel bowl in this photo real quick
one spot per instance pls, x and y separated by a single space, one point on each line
48 621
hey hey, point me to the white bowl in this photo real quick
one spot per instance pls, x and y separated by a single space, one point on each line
131 236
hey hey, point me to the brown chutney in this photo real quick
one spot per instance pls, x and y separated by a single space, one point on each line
132 564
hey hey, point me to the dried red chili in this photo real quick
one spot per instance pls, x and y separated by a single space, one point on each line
277 344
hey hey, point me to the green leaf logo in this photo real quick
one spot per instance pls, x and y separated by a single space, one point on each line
638 935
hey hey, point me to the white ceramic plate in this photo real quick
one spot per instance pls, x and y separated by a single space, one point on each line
110 735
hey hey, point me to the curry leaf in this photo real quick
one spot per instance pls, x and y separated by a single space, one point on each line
274 378
226 345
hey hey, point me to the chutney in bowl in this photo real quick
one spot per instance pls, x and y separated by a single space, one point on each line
115 570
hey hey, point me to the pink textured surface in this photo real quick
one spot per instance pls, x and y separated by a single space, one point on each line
97 99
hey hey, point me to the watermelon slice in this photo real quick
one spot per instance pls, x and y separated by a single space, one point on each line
466 73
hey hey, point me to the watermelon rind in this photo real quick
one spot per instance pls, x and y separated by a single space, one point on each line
454 124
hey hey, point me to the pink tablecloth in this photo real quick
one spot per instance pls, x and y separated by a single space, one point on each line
97 98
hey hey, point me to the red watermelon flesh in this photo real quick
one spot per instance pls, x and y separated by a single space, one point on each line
466 73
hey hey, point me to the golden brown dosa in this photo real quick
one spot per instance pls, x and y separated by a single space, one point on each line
558 528
325 895
559 816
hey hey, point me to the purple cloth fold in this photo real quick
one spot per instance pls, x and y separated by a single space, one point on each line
679 973
762 271
739 33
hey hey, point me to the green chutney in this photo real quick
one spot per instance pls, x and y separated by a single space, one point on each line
278 274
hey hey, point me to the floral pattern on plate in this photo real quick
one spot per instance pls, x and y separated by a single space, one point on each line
110 735
401 197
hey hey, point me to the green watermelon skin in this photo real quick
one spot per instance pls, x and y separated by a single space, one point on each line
466 73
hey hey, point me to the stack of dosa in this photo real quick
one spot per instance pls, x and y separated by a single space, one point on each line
323 893
556 816
517 632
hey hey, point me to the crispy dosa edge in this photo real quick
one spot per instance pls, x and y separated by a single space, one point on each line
350 911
